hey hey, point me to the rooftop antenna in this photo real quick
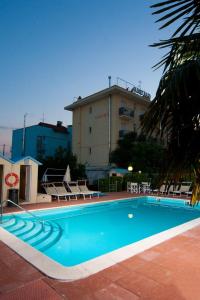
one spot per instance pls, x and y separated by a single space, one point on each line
139 84
109 81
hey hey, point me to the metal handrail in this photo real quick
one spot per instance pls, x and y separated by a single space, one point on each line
23 209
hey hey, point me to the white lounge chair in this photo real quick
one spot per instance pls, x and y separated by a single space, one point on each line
74 188
84 189
58 190
169 188
161 190
184 188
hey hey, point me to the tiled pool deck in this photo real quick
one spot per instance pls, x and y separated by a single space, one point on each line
170 270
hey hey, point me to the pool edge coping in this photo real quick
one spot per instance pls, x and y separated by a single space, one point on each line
55 270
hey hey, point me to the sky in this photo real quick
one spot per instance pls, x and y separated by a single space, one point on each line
53 51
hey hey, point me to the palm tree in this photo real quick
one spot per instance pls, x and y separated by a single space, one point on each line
175 110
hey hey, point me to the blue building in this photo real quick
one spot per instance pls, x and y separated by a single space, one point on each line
40 141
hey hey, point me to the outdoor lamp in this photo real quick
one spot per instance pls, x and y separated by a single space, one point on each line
130 168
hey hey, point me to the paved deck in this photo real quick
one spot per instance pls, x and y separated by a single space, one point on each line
168 271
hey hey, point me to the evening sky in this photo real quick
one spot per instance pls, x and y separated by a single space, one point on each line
52 51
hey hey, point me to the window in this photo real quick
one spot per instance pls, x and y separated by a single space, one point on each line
90 129
90 109
90 150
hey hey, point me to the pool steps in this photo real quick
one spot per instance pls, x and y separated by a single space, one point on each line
30 226
41 236
52 240
18 227
10 223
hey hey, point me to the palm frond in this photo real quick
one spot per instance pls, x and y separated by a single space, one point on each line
172 20
189 8
163 3
181 49
168 7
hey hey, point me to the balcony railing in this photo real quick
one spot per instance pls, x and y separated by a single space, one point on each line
125 112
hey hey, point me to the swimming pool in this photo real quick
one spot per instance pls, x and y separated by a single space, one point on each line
76 237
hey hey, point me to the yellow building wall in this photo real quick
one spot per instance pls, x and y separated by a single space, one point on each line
91 127
90 133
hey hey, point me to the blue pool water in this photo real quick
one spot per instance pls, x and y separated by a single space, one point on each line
74 235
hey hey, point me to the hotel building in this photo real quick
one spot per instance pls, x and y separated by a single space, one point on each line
101 119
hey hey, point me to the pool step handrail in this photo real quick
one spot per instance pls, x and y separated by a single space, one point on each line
23 209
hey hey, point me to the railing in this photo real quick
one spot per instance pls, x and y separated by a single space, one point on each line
126 112
23 209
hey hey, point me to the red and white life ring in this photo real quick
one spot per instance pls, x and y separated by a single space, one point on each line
11 179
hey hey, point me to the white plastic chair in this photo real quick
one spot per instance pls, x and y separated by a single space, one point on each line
128 188
134 187
145 187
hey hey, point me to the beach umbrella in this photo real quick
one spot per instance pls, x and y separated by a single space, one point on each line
67 176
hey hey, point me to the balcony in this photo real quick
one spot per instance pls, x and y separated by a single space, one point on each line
125 112
123 132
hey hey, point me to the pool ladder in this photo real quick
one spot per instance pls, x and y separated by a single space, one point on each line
23 209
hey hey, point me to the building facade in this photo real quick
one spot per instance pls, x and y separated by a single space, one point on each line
40 141
101 119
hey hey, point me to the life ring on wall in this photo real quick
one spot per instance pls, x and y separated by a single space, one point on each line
11 179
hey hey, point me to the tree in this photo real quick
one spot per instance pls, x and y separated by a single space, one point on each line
60 160
143 154
175 110
122 155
